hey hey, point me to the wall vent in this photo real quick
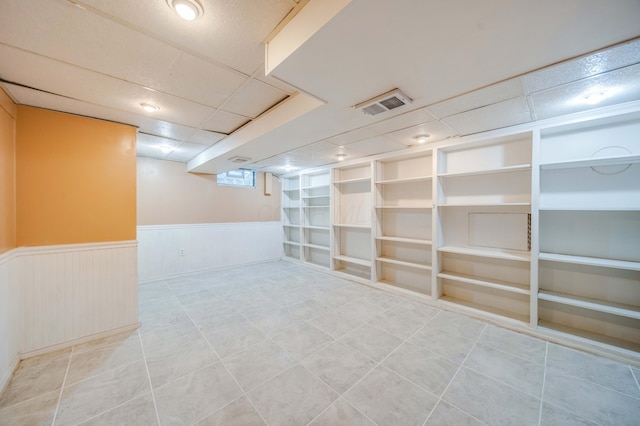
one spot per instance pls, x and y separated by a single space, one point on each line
239 160
385 102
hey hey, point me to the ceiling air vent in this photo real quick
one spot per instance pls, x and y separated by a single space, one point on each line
239 160
384 102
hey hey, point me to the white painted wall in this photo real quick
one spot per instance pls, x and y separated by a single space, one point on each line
205 246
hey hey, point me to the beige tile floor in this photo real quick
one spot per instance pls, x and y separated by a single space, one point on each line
280 344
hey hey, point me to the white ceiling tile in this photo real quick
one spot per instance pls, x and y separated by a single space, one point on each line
376 145
436 130
587 66
58 29
622 85
225 122
496 116
419 116
201 81
77 83
253 99
314 147
478 98
351 136
205 137
154 146
274 82
185 152
39 99
229 32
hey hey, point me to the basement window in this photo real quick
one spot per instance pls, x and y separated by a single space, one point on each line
239 177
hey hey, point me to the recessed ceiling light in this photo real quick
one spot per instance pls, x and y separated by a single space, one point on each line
594 97
422 138
165 148
288 168
341 157
186 9
149 107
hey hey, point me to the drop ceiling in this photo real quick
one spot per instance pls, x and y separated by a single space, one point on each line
468 66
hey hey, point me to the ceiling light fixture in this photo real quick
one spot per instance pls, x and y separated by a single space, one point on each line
341 157
186 9
594 97
422 138
288 168
165 148
149 107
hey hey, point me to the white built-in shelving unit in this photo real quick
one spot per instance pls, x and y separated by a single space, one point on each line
589 270
483 219
536 227
351 224
316 217
291 219
402 225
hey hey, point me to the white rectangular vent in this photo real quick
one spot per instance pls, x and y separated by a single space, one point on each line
384 102
239 160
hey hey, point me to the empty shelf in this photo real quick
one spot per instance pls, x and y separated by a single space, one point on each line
507 169
404 240
591 304
592 162
354 260
521 256
591 261
404 263
483 282
404 180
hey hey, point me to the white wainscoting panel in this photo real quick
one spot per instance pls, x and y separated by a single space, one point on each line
170 250
73 291
10 331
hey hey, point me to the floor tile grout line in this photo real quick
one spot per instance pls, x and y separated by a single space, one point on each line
444 391
544 379
64 380
221 363
636 378
146 366
379 364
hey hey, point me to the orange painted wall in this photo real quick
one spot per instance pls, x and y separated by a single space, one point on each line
76 179
7 173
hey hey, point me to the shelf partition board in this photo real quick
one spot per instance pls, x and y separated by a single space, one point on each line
315 207
354 260
484 204
403 263
508 169
495 284
591 304
591 261
321 228
351 225
572 333
487 309
352 180
315 196
404 240
520 256
291 189
592 162
404 180
292 243
316 246
405 207
315 186
287 225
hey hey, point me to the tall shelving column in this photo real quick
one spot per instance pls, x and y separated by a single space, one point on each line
483 226
316 218
291 219
351 224
403 209
589 261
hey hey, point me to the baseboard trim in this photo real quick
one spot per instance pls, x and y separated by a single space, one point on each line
7 377
79 341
